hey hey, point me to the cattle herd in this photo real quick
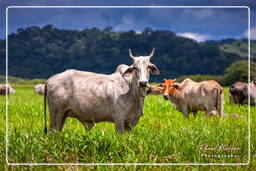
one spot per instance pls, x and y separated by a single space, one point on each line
119 97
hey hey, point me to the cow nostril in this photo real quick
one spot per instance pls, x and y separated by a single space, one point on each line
143 83
165 97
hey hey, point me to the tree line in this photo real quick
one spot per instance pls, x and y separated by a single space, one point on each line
40 52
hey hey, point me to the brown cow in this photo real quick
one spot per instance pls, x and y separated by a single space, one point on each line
156 90
6 89
190 96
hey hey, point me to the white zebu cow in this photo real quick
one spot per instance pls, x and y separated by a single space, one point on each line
6 89
39 89
92 97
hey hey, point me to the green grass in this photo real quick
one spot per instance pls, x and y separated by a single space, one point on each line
161 136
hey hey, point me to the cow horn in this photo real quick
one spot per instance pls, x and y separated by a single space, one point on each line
174 80
164 79
130 53
152 53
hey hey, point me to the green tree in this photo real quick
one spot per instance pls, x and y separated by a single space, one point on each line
40 52
238 71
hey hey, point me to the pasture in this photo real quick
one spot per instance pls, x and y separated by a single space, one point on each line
161 136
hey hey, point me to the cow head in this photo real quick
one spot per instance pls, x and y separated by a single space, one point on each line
11 90
159 89
169 88
254 80
141 70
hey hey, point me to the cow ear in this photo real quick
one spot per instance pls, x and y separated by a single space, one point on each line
153 69
161 85
128 72
176 86
148 90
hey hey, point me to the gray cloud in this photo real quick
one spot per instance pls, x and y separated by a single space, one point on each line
196 36
218 23
200 13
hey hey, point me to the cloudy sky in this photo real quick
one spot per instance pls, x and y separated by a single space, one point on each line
197 23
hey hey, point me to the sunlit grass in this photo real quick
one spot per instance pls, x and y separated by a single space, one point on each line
162 135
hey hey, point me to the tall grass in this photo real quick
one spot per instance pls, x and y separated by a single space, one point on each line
161 136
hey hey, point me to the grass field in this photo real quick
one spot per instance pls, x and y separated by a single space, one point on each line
162 136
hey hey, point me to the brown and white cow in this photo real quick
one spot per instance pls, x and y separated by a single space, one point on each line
190 96
6 89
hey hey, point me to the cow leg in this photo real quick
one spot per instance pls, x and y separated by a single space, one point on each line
53 112
185 112
128 126
185 115
52 126
132 123
61 118
88 125
245 101
210 112
240 100
207 114
120 125
231 99
195 113
58 118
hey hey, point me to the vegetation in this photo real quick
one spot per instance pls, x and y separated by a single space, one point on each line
199 78
162 136
36 52
21 81
238 71
240 48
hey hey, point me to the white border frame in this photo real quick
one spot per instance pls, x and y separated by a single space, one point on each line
134 164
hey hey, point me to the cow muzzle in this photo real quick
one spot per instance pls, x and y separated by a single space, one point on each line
143 83
143 86
166 96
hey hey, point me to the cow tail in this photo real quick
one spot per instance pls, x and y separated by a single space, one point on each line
45 96
220 101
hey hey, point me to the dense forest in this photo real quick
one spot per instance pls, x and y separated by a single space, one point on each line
36 52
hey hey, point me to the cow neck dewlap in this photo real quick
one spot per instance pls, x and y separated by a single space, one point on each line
134 88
